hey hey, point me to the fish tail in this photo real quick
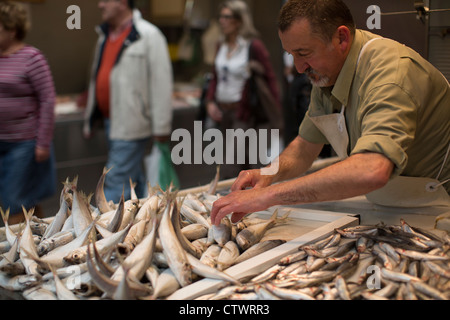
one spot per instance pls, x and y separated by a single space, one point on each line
28 214
5 215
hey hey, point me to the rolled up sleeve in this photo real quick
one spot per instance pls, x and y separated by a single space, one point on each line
387 120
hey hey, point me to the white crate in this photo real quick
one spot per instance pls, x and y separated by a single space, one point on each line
310 225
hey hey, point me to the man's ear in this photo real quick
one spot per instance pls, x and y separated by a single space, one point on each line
344 37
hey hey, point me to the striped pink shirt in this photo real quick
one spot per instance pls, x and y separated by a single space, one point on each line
27 98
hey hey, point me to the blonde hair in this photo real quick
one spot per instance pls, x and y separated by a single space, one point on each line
14 17
241 12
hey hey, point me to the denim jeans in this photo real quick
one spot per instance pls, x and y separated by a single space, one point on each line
126 160
23 181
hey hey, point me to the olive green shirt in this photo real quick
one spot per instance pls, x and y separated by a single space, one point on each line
397 104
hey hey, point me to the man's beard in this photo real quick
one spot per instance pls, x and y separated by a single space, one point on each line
316 78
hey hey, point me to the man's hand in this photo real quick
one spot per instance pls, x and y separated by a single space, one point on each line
240 203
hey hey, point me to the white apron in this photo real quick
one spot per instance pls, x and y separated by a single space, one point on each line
398 192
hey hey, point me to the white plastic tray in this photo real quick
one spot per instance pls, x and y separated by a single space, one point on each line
308 225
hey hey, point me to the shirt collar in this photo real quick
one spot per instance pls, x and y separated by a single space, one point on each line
341 89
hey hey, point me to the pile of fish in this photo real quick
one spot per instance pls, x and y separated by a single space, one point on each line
396 262
135 249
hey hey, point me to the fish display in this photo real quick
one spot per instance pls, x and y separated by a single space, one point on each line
374 262
149 248
135 249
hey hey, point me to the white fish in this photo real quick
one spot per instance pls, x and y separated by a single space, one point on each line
222 232
9 233
209 272
19 283
257 249
209 257
79 255
116 221
129 212
148 209
27 248
108 286
421 255
194 231
228 255
213 185
133 237
166 284
58 221
81 213
100 199
289 294
184 242
140 258
55 257
62 292
194 216
194 203
253 234
174 252
58 239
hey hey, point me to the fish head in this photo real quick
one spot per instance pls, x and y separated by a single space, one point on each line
76 256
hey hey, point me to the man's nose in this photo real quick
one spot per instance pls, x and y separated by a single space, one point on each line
301 65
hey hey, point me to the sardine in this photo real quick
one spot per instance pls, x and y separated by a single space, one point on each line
287 293
140 258
58 239
253 234
341 286
428 290
297 256
108 286
209 272
100 199
129 211
228 255
58 221
19 283
222 232
421 255
27 248
194 216
10 235
268 274
174 252
209 257
133 237
213 185
61 290
55 257
116 221
397 276
79 255
257 249
438 269
166 284
184 242
194 231
81 214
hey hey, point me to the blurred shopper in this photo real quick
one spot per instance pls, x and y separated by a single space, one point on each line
232 99
27 101
130 92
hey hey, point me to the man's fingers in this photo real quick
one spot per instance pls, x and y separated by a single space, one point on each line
237 216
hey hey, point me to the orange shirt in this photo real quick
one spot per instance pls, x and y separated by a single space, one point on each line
110 52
